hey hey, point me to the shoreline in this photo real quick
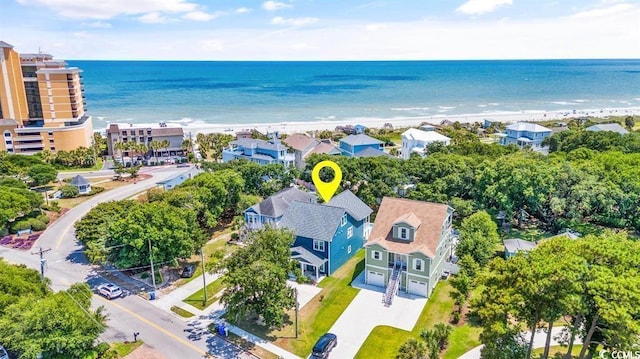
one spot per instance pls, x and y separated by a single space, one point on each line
401 121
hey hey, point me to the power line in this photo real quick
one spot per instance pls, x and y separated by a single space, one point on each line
43 261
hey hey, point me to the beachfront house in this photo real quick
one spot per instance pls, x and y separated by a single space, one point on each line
143 134
270 211
514 245
354 145
408 247
304 146
259 151
415 141
525 134
327 235
82 184
610 127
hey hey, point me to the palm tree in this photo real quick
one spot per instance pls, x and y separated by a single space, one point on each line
120 146
155 146
165 144
187 146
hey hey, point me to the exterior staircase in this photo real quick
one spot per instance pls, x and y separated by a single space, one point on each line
392 286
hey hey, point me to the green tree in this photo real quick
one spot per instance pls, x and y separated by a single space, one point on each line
478 237
69 191
412 349
266 295
60 324
42 174
629 122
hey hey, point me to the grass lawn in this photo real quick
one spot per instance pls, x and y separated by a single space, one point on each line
384 341
96 167
559 350
124 349
251 347
197 299
182 312
218 243
317 316
530 234
72 202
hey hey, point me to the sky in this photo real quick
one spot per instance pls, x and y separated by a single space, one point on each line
323 29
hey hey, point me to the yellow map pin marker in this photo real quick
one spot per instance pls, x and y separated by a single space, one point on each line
326 189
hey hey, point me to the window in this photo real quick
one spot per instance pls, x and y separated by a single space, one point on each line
376 255
349 249
418 264
350 233
343 222
318 246
404 234
7 134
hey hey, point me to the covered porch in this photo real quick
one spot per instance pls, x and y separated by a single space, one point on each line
310 264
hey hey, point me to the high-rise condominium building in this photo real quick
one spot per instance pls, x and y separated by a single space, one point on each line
41 104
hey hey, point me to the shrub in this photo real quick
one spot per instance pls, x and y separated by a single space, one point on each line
456 317
43 218
110 354
53 206
20 225
235 236
95 190
69 191
144 275
102 348
37 225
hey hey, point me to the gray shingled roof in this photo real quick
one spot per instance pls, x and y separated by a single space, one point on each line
312 220
354 205
267 145
305 256
612 127
4 44
357 140
514 245
276 205
370 152
79 181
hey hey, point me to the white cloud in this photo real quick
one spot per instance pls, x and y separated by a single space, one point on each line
153 18
274 5
242 10
82 35
376 27
479 7
297 21
211 45
107 9
202 16
97 24
603 12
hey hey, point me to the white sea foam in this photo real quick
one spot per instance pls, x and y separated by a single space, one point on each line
184 120
325 118
482 105
580 101
563 103
409 108
446 107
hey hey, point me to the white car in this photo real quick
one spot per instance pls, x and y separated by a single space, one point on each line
110 291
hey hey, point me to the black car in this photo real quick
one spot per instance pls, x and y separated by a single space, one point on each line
188 270
324 345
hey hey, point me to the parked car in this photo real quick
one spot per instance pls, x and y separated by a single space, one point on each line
182 165
188 270
324 345
110 291
3 353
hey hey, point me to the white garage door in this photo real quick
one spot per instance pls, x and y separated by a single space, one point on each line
418 288
375 278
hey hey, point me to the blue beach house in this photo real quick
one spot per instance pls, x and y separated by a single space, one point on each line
259 151
352 145
270 211
327 235
525 134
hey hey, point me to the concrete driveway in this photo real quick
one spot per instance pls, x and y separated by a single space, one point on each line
367 311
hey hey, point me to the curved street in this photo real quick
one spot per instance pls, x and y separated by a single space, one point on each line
66 264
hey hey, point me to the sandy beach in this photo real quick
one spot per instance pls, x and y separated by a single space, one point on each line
507 117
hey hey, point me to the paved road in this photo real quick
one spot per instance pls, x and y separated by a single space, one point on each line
67 264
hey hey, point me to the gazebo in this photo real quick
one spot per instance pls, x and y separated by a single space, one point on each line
81 184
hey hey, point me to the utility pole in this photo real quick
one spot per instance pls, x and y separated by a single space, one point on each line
295 290
204 278
153 272
43 262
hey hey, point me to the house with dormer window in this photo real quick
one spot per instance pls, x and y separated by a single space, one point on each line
408 246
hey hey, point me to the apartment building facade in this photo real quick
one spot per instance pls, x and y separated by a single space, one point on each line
42 104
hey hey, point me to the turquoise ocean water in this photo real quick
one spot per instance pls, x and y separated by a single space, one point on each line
197 93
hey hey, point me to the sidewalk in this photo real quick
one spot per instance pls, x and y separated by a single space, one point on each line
214 311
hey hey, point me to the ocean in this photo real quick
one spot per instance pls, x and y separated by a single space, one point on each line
198 93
